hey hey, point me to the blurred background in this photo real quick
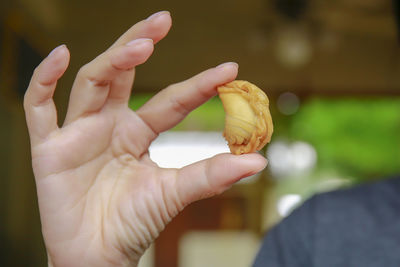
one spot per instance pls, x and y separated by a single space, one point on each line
330 68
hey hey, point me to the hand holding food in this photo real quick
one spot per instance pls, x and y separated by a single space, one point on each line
102 200
248 122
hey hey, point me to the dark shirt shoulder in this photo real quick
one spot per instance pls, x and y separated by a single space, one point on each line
352 227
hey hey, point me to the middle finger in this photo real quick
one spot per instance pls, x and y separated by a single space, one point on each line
92 84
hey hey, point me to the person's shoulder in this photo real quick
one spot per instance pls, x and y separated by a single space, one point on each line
374 201
367 193
320 231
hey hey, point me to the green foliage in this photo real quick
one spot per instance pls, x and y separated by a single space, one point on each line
357 136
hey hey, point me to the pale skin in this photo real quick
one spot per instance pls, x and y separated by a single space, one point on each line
102 200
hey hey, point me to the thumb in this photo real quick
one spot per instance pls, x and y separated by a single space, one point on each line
213 176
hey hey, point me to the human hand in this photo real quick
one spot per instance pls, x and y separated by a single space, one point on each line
102 200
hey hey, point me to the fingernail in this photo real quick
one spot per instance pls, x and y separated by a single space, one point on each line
158 14
55 50
138 41
223 65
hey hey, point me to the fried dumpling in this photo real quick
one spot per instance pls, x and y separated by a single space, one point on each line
248 122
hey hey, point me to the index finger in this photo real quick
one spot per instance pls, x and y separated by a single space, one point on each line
171 105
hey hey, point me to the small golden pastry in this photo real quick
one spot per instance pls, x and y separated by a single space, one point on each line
248 122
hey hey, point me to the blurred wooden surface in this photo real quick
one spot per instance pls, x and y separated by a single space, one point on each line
352 44
20 236
239 209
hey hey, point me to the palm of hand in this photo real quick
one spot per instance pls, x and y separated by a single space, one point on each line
102 200
97 176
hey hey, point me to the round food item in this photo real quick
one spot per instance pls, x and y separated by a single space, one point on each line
248 122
